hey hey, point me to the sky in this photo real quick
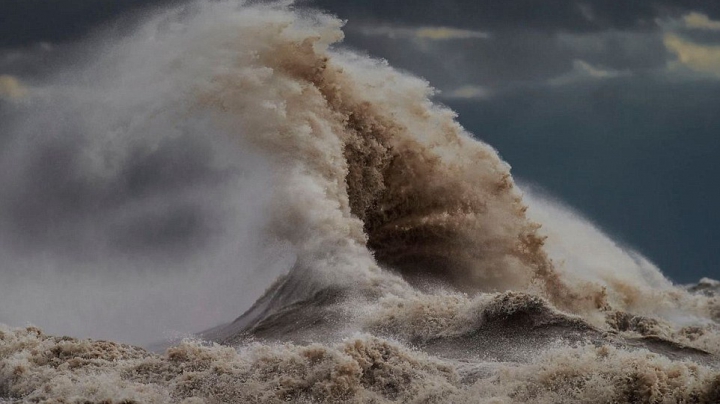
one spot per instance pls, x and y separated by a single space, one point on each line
611 106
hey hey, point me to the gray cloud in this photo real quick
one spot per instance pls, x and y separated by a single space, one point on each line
532 15
516 60
524 42
620 50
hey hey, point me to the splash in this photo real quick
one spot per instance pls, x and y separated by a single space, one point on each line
419 270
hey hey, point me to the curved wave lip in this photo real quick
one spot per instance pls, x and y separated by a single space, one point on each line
418 273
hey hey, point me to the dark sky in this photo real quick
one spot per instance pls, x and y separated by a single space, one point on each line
610 105
26 22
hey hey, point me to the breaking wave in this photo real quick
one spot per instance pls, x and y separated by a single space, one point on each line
419 271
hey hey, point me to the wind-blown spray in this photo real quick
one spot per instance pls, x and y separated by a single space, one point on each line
414 270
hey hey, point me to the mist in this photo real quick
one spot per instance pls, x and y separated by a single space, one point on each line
127 214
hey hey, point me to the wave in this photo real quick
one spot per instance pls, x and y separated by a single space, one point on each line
420 272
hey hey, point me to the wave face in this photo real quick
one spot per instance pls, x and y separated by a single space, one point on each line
420 272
